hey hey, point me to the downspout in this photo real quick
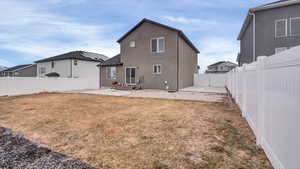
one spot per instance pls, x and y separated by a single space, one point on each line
254 39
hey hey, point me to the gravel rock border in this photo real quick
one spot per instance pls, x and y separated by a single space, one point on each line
17 152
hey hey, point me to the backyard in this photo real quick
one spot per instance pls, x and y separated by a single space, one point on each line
134 133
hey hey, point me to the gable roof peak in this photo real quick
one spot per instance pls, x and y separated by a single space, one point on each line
180 32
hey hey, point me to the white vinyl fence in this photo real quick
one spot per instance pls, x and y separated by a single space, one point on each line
28 85
268 94
210 80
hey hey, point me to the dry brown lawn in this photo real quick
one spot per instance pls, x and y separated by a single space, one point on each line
135 133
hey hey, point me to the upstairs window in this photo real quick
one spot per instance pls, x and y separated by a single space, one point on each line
295 26
132 44
281 28
157 69
52 64
158 45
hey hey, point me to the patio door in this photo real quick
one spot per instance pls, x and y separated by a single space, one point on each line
130 74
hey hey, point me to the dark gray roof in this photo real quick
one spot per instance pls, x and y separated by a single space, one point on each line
79 55
181 34
12 69
17 152
217 63
114 61
272 5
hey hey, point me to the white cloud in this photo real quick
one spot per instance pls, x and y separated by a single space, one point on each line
216 49
200 25
66 1
27 29
5 63
184 20
222 3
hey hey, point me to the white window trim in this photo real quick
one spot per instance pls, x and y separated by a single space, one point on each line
130 44
286 28
291 26
109 75
157 42
157 73
113 77
126 77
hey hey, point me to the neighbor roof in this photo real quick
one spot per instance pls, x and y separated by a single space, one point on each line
79 55
181 34
218 63
12 69
272 5
114 61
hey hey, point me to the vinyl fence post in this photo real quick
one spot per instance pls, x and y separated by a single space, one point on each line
244 90
260 98
237 87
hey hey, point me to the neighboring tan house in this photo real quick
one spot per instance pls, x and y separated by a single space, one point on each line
221 67
28 70
70 65
153 55
276 27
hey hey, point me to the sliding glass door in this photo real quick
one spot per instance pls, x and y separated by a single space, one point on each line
130 73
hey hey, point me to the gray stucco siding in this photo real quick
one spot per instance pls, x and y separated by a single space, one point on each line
246 45
105 82
188 61
266 42
143 58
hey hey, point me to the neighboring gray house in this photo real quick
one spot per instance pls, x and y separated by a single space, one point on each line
153 56
269 29
70 65
221 67
28 70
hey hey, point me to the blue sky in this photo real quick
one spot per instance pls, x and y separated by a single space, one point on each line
35 29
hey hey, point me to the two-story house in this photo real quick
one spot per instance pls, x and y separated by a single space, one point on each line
73 64
221 67
153 55
269 29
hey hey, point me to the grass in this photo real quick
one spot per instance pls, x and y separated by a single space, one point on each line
134 133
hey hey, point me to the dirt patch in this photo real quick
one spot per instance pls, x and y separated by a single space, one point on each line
134 133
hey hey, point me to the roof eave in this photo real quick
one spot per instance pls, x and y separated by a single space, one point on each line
162 25
90 60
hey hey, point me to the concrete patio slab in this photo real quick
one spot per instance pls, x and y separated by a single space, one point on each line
211 96
205 89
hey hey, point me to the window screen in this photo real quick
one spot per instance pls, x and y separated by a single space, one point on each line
280 28
156 69
158 44
161 47
154 45
295 26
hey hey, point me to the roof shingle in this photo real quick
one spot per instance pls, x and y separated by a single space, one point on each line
11 69
79 55
114 61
